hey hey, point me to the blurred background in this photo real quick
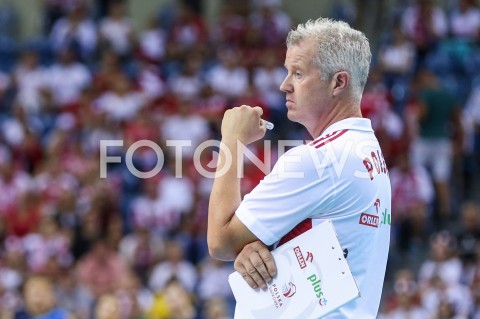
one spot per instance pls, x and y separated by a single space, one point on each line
74 72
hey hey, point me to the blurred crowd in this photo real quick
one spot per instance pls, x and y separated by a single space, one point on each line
76 245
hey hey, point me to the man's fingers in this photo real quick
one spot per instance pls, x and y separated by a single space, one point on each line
255 263
250 281
259 110
250 274
259 265
248 278
268 261
255 275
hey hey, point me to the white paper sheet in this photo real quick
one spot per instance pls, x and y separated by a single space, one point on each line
313 279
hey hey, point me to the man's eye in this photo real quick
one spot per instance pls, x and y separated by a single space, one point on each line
298 75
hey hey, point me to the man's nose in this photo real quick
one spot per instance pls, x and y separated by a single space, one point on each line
286 86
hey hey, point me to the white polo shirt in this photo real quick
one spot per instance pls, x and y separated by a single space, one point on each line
340 176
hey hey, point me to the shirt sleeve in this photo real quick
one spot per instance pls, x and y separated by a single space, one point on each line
299 186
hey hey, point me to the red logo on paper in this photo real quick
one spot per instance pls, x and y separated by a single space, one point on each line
299 255
309 256
369 220
289 290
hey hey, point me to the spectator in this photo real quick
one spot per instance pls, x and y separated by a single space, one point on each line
174 301
153 42
468 237
106 71
40 301
76 30
230 27
71 295
475 290
14 183
412 194
442 262
446 300
122 102
54 10
213 275
86 233
66 79
465 21
434 148
23 219
376 106
46 245
188 33
267 79
135 299
271 22
253 47
29 79
99 127
406 299
142 127
424 24
229 77
10 281
66 211
14 129
150 81
100 269
142 250
471 127
107 307
210 105
116 30
397 62
188 83
164 201
216 309
185 125
173 269
52 182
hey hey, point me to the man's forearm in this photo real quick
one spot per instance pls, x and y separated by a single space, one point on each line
224 200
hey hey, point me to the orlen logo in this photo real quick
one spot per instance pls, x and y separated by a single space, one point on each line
299 255
369 220
289 290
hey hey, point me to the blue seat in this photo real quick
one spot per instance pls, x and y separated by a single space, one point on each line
8 53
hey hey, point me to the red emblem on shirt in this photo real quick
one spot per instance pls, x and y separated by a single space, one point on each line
369 220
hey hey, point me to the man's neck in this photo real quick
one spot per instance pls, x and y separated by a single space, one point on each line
332 118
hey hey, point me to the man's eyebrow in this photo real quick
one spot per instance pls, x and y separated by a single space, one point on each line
293 65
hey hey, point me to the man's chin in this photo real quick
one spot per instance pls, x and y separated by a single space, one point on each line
291 116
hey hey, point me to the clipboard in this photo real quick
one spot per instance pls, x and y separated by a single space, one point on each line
313 279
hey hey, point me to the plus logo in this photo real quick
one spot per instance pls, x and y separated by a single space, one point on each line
386 217
322 302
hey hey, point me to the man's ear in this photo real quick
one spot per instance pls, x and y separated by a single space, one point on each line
341 80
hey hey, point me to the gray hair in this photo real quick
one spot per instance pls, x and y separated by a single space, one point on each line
339 48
